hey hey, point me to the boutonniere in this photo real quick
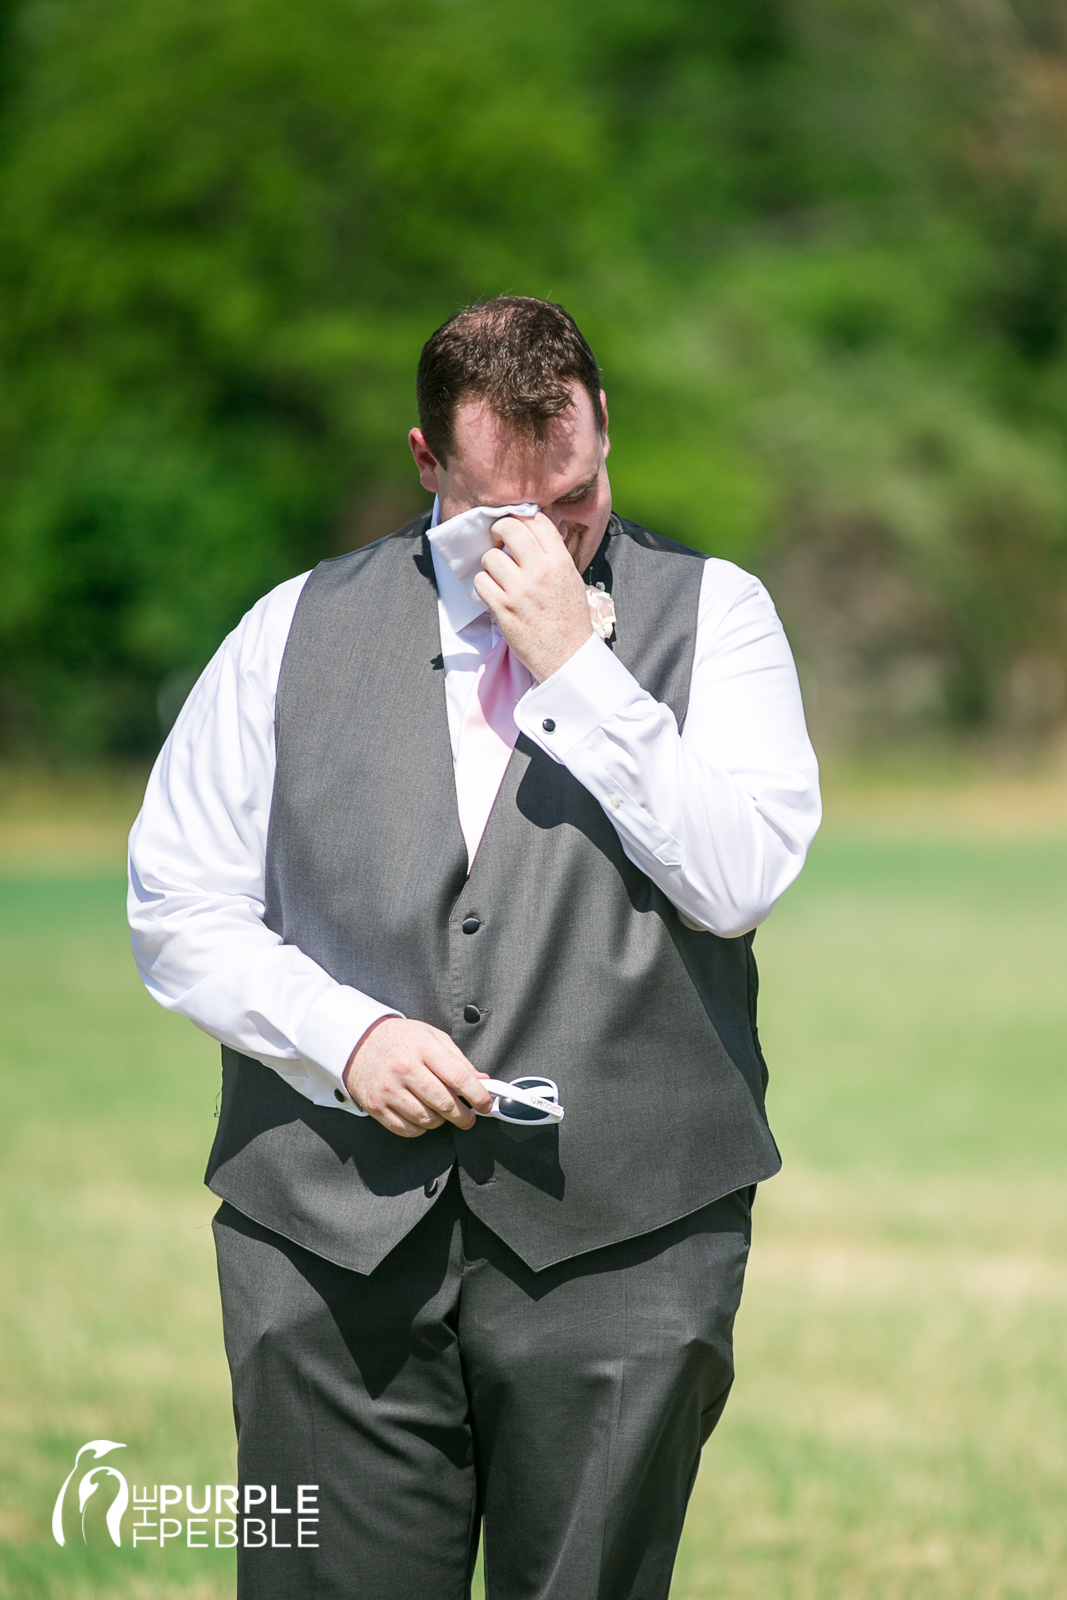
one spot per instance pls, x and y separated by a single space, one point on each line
601 610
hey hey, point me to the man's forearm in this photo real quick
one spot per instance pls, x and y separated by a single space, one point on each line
720 816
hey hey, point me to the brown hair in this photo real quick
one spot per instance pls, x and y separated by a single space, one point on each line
519 354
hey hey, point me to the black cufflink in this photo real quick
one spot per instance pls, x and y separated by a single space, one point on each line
339 1096
549 725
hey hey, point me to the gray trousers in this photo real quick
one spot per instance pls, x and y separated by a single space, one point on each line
565 1409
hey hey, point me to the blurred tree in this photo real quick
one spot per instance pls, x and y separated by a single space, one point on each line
226 229
820 248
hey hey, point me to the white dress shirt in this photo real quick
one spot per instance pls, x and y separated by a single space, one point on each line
719 816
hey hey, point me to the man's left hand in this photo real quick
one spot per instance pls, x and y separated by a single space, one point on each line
537 598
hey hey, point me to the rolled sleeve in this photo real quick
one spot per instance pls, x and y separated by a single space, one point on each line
588 689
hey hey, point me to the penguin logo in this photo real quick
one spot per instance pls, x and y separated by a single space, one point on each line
88 1486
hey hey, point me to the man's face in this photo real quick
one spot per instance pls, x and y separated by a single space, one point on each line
493 464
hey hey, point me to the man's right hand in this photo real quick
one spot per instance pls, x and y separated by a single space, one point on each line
409 1076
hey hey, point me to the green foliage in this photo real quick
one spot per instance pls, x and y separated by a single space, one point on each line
820 249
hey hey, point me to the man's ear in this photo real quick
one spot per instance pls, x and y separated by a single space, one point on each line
427 463
604 431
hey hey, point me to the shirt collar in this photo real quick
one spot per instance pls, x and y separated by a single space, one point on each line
457 547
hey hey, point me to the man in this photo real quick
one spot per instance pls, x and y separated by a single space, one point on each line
419 828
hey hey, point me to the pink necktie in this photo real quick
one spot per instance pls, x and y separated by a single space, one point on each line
486 739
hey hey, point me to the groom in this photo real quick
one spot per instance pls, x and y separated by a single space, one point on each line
500 797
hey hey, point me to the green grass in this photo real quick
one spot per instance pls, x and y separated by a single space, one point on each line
110 1324
899 1424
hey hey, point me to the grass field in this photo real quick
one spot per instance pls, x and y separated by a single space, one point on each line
899 1425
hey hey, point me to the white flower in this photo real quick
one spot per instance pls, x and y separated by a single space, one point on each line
601 611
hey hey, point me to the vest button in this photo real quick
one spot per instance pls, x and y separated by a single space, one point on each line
429 1188
471 1014
549 725
470 924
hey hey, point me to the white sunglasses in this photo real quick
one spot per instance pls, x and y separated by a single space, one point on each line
527 1101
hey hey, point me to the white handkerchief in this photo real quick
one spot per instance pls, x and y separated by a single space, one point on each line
462 541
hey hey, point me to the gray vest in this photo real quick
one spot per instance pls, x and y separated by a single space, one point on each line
580 967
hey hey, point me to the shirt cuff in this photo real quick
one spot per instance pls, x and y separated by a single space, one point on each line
332 1029
588 689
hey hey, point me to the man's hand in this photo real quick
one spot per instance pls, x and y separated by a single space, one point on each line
538 599
409 1077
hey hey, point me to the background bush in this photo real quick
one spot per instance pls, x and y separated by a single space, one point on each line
820 247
